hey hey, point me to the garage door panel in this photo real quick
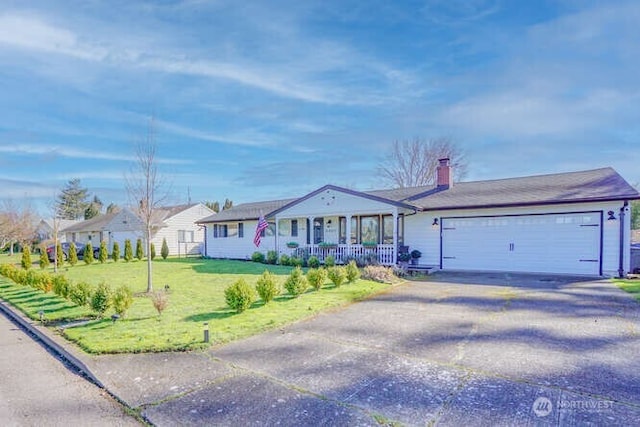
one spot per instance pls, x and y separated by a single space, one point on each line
553 243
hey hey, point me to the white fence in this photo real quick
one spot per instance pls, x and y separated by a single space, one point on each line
384 254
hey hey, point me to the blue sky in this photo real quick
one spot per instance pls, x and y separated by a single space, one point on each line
259 100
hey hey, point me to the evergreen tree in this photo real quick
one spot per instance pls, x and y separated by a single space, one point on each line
25 261
214 206
44 258
153 251
113 208
72 201
103 255
115 254
59 254
139 249
128 250
73 254
228 204
88 253
164 251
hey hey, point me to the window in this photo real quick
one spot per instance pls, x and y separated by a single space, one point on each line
387 229
241 230
369 229
342 230
219 230
283 227
232 230
185 236
294 228
354 230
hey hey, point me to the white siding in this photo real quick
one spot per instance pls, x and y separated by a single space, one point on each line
236 247
421 235
332 202
186 221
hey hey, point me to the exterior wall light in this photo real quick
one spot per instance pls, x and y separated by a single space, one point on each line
612 216
434 224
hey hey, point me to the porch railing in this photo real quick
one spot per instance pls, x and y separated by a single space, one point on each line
383 253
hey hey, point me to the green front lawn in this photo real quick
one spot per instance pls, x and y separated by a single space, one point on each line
196 296
631 286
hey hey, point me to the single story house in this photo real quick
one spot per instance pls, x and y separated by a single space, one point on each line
567 223
44 229
176 224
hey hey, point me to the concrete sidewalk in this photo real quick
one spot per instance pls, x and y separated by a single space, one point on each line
472 350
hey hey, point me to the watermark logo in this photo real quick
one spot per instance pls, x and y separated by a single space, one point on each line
542 407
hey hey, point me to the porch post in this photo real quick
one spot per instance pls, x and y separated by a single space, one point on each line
348 235
310 232
395 236
277 231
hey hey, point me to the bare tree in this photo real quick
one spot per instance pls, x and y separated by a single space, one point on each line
144 186
17 224
413 163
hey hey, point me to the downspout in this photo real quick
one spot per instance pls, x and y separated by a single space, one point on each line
622 226
205 241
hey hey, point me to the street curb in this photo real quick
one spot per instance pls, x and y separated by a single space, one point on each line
52 346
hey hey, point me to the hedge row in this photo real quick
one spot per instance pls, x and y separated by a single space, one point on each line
99 299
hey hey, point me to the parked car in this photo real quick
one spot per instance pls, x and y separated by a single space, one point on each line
65 250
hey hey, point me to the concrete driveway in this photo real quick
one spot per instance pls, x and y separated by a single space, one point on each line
490 349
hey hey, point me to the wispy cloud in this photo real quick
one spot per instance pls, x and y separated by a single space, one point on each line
75 153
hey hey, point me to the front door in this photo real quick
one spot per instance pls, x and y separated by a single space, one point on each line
318 230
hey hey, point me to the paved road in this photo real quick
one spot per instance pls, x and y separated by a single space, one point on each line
37 390
463 350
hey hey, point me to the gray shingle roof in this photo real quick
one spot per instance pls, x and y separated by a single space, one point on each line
584 186
246 211
94 224
592 185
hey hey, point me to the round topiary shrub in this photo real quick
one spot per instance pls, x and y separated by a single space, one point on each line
316 277
122 299
272 257
313 262
240 295
337 275
329 261
296 284
101 299
284 259
352 271
267 286
80 293
257 257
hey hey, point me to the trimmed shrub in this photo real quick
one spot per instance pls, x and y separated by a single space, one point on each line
316 277
352 271
272 257
284 259
88 254
61 286
25 261
80 293
296 261
268 287
139 250
164 250
378 273
44 258
329 261
257 257
337 275
103 255
128 250
296 284
313 262
101 299
59 255
153 251
73 254
160 301
240 295
115 253
122 299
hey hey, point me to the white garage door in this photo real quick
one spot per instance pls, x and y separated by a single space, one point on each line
550 243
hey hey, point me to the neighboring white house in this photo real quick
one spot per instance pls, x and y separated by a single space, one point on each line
174 223
572 223
44 230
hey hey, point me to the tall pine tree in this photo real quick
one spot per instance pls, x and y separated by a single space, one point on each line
72 201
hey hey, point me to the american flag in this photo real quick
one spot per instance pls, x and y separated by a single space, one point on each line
262 225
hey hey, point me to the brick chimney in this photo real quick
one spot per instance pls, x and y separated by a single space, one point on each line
444 174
